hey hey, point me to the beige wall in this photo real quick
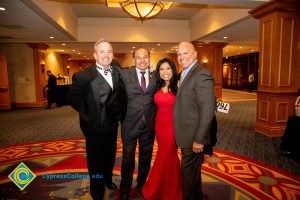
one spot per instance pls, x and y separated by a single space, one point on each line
20 72
54 63
90 29
210 20
61 13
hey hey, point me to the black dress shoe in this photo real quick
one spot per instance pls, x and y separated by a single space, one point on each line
139 192
124 196
111 186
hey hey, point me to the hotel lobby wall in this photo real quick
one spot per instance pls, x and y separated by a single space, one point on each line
54 63
129 30
20 72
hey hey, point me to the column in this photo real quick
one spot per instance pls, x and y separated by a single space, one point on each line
212 56
279 64
39 72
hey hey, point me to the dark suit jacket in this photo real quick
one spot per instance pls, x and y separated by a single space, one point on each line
194 108
98 105
51 82
138 102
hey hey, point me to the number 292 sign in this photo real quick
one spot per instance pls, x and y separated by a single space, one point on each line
222 107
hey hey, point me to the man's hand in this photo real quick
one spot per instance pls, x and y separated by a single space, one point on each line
197 148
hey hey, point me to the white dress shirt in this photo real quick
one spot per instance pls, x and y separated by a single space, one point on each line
138 71
107 77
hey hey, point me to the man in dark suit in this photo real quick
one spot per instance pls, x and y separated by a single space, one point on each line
51 92
193 115
140 85
97 93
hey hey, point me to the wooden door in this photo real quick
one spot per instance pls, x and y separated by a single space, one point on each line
4 89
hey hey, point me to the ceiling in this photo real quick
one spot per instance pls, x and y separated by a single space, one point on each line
242 36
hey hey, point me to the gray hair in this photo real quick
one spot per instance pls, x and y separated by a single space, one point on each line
101 40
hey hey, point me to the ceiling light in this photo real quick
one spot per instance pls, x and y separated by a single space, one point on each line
252 50
51 37
240 47
133 47
63 44
73 50
2 9
225 37
143 9
158 44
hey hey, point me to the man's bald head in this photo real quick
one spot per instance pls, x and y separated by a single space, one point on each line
186 54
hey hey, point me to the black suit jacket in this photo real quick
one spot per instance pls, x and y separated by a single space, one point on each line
51 82
98 105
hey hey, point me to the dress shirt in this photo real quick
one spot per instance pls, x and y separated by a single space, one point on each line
107 77
138 71
186 71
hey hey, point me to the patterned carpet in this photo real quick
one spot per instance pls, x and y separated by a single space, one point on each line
225 176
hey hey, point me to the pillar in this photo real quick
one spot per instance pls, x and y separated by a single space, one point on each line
279 64
212 56
39 72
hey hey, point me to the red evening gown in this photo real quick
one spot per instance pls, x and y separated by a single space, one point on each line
164 181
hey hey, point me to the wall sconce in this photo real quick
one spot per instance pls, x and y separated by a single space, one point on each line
205 62
43 68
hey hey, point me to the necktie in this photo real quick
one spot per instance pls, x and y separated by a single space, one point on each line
143 81
107 70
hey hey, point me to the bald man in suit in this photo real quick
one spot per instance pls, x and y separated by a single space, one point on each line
193 117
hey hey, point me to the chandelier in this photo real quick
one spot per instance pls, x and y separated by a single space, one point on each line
144 9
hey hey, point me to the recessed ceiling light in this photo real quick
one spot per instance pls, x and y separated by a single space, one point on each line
73 50
2 9
225 37
133 47
51 37
131 51
240 47
79 53
63 44
158 44
62 50
252 50
152 49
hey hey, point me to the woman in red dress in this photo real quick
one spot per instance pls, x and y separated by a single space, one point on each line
164 180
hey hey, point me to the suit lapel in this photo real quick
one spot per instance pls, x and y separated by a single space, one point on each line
181 87
151 80
114 79
136 78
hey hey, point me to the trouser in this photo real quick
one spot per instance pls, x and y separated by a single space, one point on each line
51 97
145 139
101 152
191 174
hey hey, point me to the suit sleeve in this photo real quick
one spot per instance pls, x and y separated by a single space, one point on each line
205 98
76 92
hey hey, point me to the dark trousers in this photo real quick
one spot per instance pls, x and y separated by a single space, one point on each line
145 139
191 174
51 97
101 152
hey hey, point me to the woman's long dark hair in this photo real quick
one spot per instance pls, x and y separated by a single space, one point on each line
174 79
